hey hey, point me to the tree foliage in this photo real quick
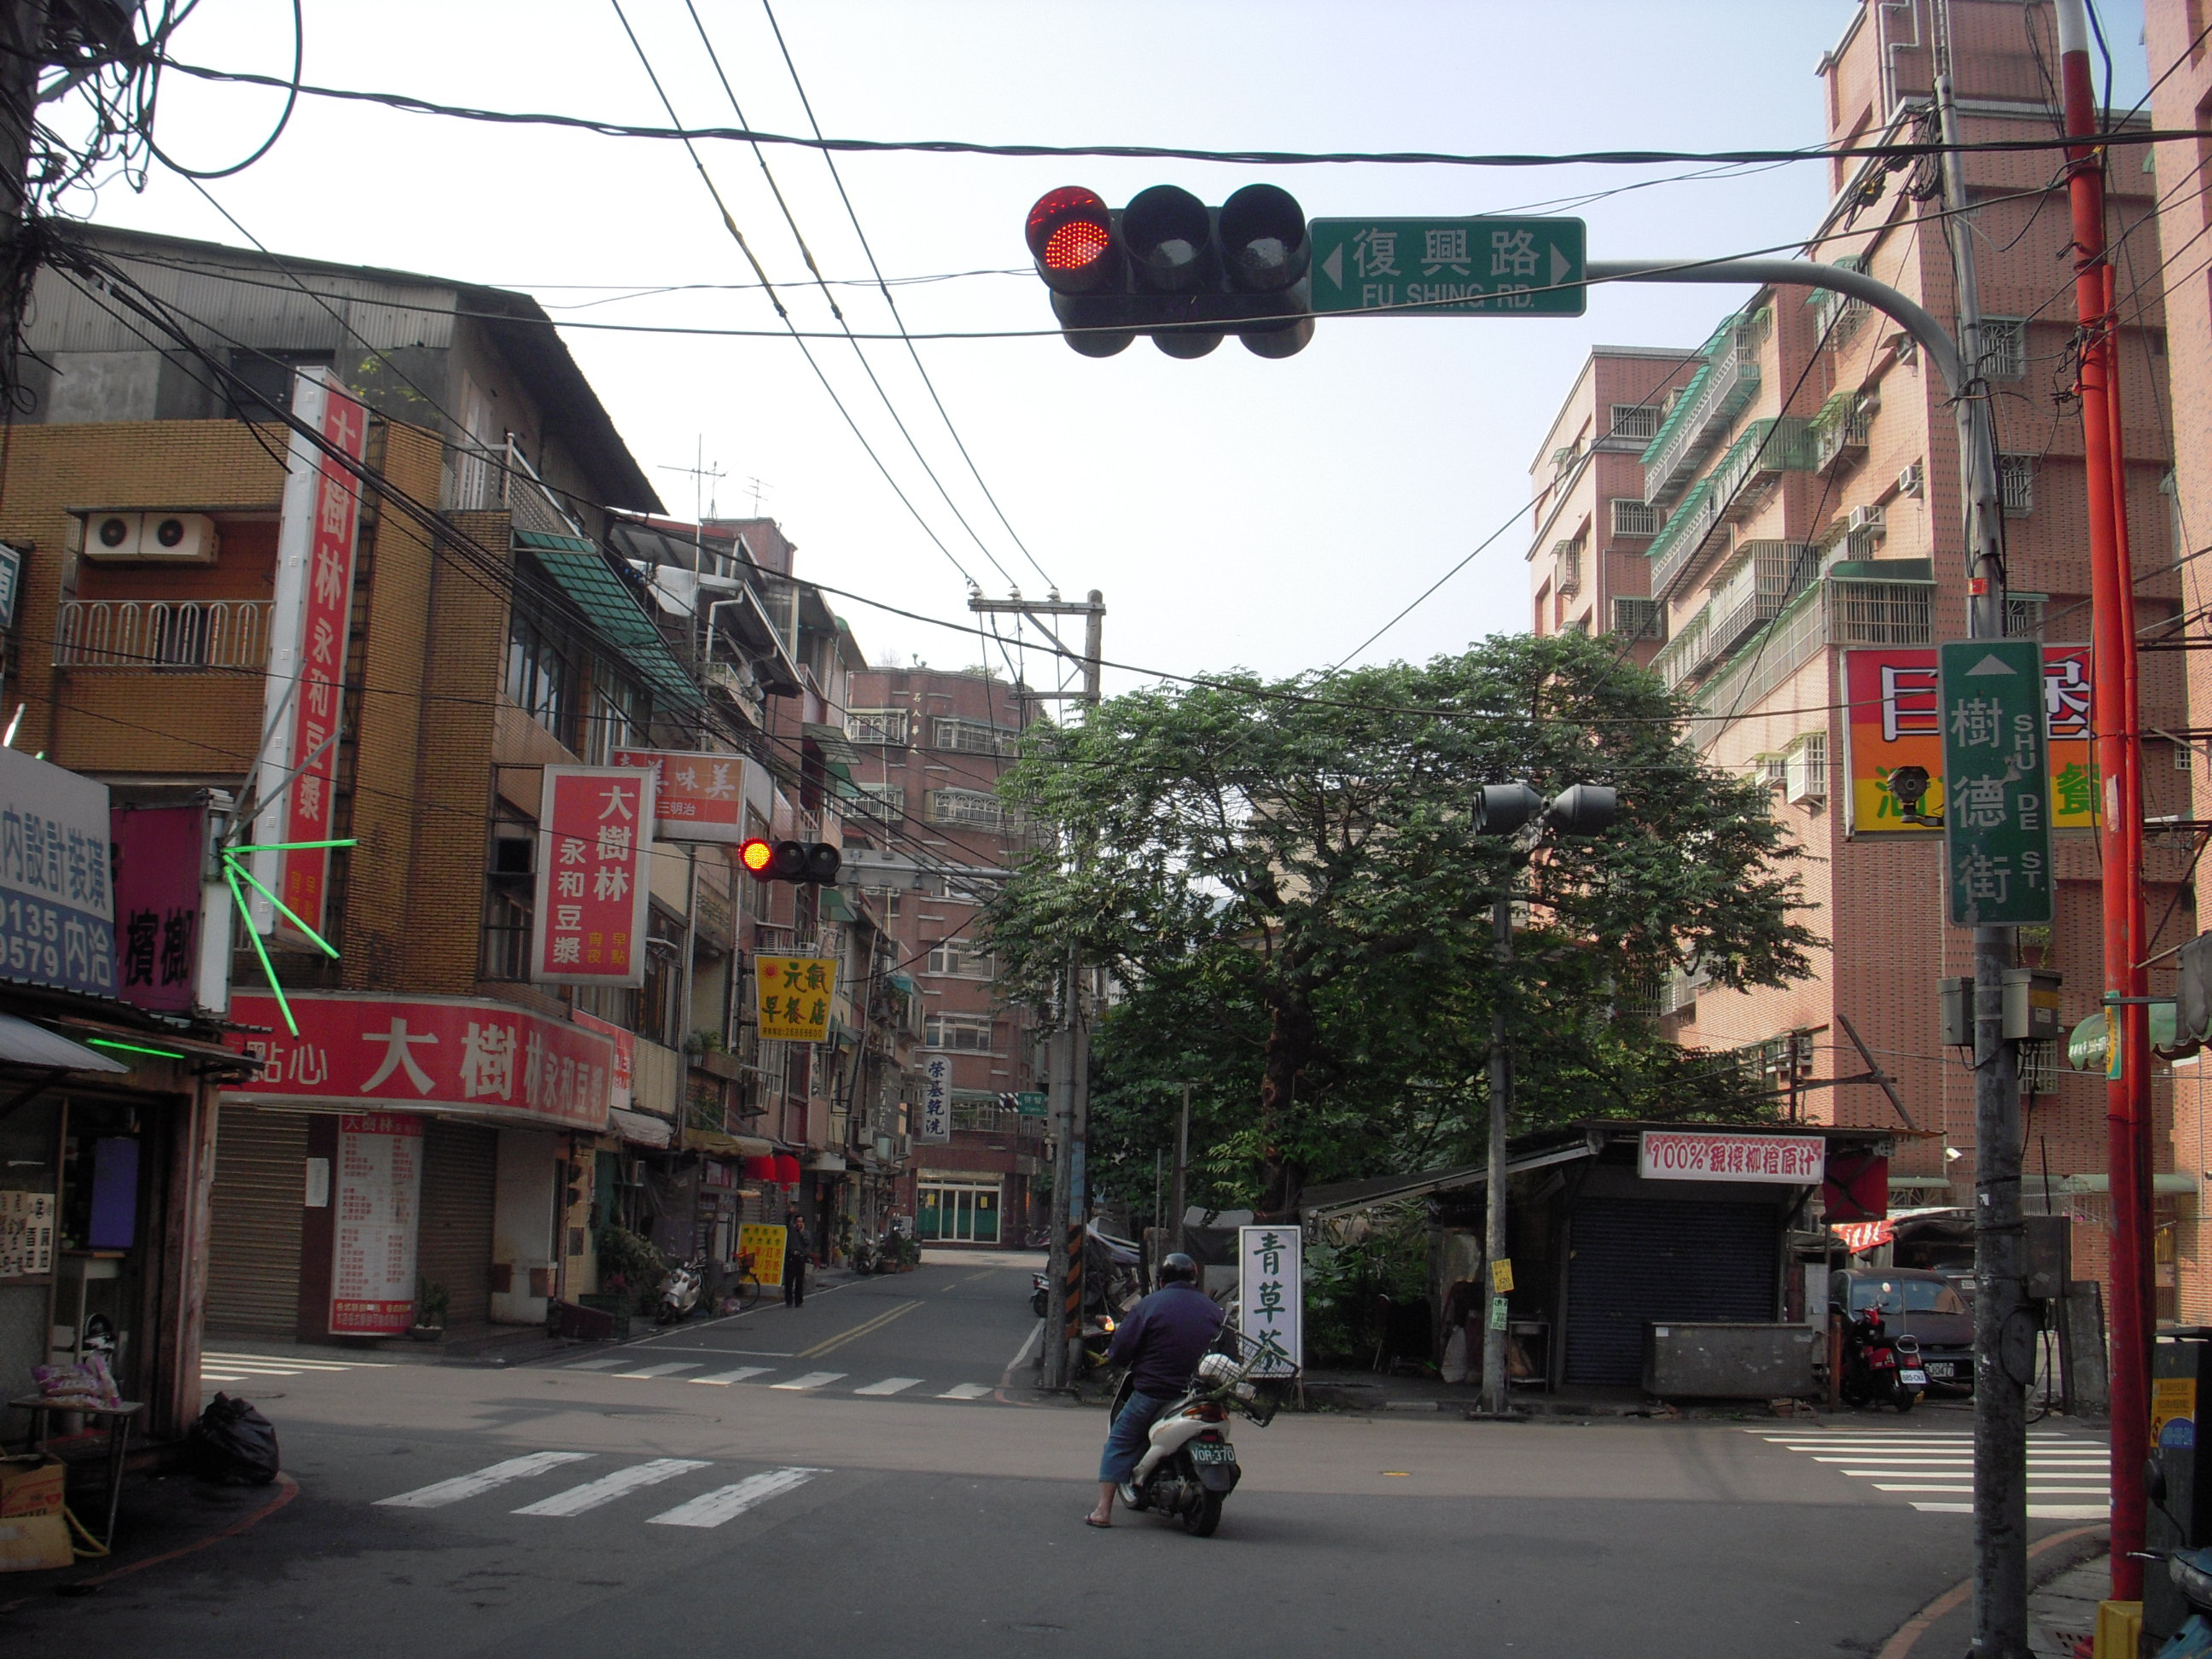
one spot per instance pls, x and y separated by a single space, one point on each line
1285 883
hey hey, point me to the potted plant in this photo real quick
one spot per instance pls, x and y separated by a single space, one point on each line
430 1304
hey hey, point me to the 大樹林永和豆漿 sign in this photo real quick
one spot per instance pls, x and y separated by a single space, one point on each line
1271 1298
1997 810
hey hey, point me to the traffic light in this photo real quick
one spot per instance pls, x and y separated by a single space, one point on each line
1580 808
1170 266
1583 809
1501 808
817 862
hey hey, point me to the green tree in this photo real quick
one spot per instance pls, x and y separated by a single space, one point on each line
1285 880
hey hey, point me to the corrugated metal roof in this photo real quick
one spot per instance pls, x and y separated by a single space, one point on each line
582 572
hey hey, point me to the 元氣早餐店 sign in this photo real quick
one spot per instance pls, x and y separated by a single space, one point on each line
594 827
794 996
700 797
1997 811
489 1059
1696 1154
1271 1298
56 895
936 1099
764 1243
1895 718
380 1188
158 857
311 618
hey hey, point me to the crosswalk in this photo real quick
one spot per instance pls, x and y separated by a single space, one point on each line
2069 1476
715 1507
629 1369
226 1367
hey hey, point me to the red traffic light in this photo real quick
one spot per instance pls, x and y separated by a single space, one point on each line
1071 234
758 857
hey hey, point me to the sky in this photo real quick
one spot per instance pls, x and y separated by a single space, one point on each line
1233 511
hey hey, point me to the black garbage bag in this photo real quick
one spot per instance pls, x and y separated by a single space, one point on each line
234 1445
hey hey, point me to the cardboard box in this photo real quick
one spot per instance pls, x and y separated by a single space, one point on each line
30 1543
30 1485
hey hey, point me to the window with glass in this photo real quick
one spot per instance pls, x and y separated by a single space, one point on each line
973 807
972 737
617 719
960 1033
540 680
957 1214
885 726
884 802
965 961
509 895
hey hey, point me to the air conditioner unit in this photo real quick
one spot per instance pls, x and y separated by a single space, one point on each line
1908 482
1867 519
167 538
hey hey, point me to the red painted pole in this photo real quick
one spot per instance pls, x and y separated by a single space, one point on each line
2113 713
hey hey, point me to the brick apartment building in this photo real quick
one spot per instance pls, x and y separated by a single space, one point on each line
1809 555
499 624
933 744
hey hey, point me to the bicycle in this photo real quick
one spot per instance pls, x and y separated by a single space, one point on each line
747 1288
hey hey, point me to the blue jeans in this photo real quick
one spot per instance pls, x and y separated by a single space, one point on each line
1126 1444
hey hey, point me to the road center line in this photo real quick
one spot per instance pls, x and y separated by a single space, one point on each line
859 1330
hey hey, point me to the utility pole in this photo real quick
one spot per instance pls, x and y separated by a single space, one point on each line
2000 1393
1071 1050
1179 1190
2115 716
1497 1391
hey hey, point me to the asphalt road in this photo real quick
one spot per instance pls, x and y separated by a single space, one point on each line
553 1510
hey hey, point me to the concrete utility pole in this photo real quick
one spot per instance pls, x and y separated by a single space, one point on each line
2000 1420
2000 1386
1497 1389
1070 1065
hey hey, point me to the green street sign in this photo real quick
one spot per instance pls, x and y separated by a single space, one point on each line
1030 1102
1448 267
1997 814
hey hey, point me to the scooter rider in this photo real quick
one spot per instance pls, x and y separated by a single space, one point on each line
1162 1341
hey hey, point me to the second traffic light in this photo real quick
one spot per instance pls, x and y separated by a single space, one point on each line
791 861
1170 266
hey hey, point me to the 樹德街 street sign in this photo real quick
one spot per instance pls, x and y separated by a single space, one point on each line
1996 814
1448 267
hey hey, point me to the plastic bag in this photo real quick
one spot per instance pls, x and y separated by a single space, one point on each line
1455 1360
88 1385
234 1445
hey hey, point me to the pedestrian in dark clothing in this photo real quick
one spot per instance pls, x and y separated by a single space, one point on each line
1161 1342
797 1246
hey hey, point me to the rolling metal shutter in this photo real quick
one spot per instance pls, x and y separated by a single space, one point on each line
453 1247
254 1236
1635 1261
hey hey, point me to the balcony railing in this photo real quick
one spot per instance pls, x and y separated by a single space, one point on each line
1764 578
1715 395
1767 449
1683 534
1686 654
1839 432
1838 610
162 634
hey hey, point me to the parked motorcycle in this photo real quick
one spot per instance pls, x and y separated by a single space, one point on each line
863 1257
680 1291
2191 1572
1190 1468
1880 1369
1039 1293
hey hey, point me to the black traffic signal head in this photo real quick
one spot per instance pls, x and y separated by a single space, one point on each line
1583 809
1170 266
1501 808
800 861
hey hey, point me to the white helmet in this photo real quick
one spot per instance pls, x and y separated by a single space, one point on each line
1218 1369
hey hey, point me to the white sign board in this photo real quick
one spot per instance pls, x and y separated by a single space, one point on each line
57 902
379 1189
26 1235
1697 1155
937 1098
1271 1296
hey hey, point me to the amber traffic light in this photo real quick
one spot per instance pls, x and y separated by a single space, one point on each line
817 862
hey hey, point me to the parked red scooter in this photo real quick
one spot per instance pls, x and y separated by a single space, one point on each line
1880 1369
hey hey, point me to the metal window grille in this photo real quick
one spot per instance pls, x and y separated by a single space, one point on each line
959 1033
2004 348
884 802
2023 614
1634 517
971 736
962 961
1773 770
886 725
162 633
2039 1067
1806 763
968 806
1639 421
2016 484
1881 613
1568 555
1636 619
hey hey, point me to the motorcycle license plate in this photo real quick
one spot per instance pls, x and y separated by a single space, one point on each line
1215 1452
1940 1368
1913 1379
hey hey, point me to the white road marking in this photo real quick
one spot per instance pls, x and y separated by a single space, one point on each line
811 1380
890 1385
2059 1466
662 1371
469 1486
595 1364
230 1361
967 1391
727 1503
2035 1512
2088 1492
608 1488
737 1376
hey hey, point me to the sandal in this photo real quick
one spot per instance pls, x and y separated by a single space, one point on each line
1093 1521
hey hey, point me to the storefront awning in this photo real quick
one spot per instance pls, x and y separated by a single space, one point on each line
642 1129
583 574
1341 1197
713 1141
827 1163
22 1043
2171 1182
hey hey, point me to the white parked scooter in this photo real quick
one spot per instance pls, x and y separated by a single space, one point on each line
679 1291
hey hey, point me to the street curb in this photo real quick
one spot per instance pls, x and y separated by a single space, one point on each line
1908 1634
288 1489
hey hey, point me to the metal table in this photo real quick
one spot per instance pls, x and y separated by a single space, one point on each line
119 1418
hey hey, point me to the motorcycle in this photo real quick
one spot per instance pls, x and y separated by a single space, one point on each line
1880 1369
863 1257
680 1291
1039 1293
1190 1468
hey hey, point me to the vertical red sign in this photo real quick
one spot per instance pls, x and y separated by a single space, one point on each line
594 825
313 616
